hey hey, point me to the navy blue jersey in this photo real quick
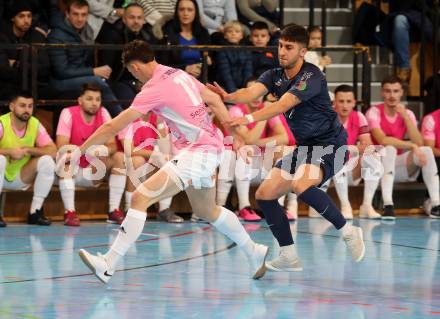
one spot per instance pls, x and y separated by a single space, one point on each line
313 121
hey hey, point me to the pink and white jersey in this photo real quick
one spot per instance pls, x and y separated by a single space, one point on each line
43 137
355 125
143 133
240 110
73 126
431 127
393 126
174 95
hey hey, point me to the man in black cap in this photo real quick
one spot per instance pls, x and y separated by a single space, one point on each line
19 30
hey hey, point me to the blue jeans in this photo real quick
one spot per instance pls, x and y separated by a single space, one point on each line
74 85
401 29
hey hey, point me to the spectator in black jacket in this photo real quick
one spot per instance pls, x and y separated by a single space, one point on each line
72 67
261 60
233 67
19 29
186 29
124 85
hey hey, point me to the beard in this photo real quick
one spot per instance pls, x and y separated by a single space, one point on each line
23 117
91 113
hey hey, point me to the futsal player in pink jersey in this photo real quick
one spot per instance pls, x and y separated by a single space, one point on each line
76 124
403 159
431 137
274 132
364 161
179 99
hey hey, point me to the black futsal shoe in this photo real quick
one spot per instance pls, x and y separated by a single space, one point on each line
435 212
38 218
2 222
388 213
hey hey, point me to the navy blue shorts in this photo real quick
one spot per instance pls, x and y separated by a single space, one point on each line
330 157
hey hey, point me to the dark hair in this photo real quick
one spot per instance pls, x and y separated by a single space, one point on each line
20 93
137 50
259 25
295 33
391 79
345 88
196 24
133 5
313 28
90 87
76 3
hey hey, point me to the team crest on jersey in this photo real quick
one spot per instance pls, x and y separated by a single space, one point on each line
302 83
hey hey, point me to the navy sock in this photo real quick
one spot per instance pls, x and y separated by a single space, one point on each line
277 220
323 204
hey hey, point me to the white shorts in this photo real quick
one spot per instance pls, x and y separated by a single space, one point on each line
402 170
16 185
196 168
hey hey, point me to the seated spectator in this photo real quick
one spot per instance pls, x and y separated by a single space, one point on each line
186 29
315 42
403 159
26 155
233 67
215 13
40 12
234 168
138 142
103 15
251 11
20 30
260 37
72 67
76 124
124 85
157 13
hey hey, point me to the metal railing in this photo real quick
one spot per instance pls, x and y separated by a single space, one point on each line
360 54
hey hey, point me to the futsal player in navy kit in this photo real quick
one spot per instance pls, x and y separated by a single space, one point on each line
301 90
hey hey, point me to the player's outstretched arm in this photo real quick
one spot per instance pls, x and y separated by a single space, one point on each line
287 101
244 95
109 129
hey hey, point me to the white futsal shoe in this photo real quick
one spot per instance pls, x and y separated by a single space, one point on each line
313 213
367 211
97 264
347 211
258 261
355 244
285 262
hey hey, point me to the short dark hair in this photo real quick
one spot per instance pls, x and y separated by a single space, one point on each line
345 88
260 25
391 79
76 3
90 87
133 5
20 93
295 33
137 50
313 28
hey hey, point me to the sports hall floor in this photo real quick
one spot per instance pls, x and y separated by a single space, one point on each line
191 271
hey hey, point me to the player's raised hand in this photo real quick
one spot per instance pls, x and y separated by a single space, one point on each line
216 88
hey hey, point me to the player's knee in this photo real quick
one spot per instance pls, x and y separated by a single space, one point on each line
118 159
46 165
427 151
389 153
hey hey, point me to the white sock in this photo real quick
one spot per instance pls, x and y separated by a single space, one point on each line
43 181
128 196
243 193
3 162
389 164
67 190
228 224
341 186
226 173
370 186
346 229
223 189
292 202
129 232
165 203
116 184
372 172
281 200
430 175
